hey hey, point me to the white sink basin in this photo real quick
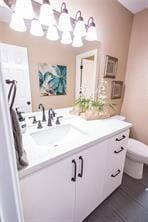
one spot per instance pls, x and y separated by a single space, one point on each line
63 134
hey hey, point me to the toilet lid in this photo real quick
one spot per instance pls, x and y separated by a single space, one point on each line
138 150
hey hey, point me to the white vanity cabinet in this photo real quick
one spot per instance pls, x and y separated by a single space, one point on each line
116 153
69 190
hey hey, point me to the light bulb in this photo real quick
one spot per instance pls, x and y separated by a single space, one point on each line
64 20
77 41
92 32
17 23
36 28
24 9
52 33
46 15
66 38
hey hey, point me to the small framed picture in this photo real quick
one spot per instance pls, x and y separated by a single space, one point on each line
110 67
117 89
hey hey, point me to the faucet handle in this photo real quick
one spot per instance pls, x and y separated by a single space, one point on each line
34 119
58 120
39 125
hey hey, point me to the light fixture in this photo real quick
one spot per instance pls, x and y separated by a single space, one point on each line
36 28
52 33
17 23
80 28
91 32
77 41
64 20
66 38
24 9
46 14
3 4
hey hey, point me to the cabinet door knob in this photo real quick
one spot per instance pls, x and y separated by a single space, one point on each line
28 103
122 138
119 151
116 174
75 171
81 173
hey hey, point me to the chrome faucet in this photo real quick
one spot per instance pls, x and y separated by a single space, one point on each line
43 110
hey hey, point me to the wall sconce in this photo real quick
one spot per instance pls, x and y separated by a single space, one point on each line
64 19
91 32
80 28
69 30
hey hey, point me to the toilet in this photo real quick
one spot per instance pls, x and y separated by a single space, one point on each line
136 157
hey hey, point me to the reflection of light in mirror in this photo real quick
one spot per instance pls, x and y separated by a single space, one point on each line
91 34
66 38
24 9
17 23
3 4
46 15
36 28
64 20
52 33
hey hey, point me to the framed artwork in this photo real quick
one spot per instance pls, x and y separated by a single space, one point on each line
110 67
52 79
117 88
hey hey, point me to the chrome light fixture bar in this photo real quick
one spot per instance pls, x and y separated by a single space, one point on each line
57 25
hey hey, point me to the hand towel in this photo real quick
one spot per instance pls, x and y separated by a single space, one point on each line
21 156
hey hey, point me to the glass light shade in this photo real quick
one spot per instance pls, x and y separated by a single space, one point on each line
77 41
46 15
80 29
91 34
17 23
3 4
24 9
36 28
66 38
64 22
52 33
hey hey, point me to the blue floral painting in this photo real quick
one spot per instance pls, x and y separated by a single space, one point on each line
52 79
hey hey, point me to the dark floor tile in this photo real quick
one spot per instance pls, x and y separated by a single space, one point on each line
136 190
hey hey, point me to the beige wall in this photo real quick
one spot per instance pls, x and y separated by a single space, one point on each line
135 106
113 24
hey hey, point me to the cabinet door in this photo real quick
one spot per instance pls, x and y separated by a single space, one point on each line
48 195
89 185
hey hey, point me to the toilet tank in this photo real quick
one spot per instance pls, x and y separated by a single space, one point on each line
119 117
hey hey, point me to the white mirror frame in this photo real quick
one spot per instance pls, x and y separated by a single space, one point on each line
95 80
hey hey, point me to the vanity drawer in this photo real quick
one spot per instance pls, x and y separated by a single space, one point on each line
120 140
112 181
117 150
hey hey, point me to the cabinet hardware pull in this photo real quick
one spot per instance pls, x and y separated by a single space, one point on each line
123 137
75 171
118 151
81 173
114 175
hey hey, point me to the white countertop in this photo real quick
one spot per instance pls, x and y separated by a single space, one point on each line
94 131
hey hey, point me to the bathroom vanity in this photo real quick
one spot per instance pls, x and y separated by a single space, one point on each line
69 177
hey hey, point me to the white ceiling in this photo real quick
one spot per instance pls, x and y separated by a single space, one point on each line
134 5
